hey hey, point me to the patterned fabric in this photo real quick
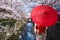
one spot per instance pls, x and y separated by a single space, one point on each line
28 32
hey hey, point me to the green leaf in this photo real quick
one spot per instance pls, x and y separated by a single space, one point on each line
5 22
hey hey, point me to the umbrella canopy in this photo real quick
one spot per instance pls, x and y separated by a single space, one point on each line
44 15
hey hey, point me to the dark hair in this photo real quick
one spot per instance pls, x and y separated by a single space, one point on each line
30 21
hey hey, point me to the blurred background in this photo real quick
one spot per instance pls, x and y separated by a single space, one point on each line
15 17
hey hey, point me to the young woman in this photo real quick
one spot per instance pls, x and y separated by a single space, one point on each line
53 33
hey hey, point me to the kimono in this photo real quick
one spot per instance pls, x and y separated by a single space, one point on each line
53 32
28 32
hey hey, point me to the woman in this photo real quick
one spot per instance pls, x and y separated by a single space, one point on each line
53 32
28 31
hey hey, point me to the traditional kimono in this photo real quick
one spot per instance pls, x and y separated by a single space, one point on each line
53 32
28 32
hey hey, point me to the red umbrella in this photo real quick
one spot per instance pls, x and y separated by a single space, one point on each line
44 15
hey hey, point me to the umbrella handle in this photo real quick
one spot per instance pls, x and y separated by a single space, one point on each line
35 28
